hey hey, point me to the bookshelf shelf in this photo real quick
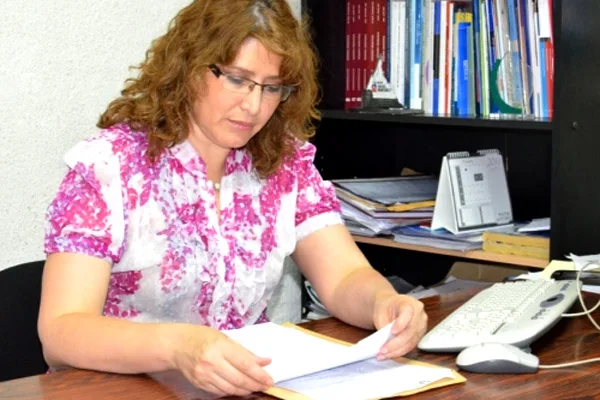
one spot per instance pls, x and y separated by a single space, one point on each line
479 255
553 165
542 126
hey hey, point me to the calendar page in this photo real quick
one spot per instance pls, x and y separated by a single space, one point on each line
479 190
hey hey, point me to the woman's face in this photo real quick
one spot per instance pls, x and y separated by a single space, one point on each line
225 115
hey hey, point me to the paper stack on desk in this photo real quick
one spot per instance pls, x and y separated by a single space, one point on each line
306 365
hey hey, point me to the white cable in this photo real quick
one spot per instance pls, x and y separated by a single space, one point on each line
580 314
579 291
569 364
585 312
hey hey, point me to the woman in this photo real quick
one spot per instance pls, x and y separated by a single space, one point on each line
173 222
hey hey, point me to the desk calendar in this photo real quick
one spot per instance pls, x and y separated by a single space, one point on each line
472 193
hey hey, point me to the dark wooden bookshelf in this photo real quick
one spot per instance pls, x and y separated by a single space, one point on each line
553 166
516 123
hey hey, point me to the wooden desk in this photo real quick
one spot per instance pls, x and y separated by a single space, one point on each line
570 339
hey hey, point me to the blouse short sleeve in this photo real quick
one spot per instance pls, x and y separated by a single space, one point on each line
86 215
317 205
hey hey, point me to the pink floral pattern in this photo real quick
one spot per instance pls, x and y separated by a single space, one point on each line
172 258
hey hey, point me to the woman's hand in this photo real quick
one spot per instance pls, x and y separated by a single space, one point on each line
215 363
410 323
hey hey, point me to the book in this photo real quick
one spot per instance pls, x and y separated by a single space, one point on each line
411 210
516 238
362 223
423 235
389 193
374 208
518 244
306 365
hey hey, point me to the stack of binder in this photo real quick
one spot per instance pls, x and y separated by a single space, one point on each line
527 240
518 244
376 206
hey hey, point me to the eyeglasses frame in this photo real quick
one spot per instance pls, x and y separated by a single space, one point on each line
218 72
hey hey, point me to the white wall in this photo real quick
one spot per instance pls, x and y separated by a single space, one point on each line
61 62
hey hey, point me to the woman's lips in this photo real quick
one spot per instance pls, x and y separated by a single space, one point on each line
246 126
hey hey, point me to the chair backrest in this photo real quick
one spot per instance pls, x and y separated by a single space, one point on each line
20 348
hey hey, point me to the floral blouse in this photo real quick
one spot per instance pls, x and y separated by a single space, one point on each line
173 258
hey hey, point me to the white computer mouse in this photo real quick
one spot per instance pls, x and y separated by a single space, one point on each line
497 358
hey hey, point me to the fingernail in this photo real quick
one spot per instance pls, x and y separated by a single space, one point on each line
383 350
380 356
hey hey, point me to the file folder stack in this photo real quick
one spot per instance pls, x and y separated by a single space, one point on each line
376 206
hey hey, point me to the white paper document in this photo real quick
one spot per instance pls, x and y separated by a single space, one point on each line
295 353
367 379
539 224
321 369
589 262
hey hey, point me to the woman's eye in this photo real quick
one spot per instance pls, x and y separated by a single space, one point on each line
236 80
273 88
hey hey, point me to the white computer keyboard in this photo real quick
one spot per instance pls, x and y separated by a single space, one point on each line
516 312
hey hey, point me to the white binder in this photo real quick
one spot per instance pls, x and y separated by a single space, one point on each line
472 193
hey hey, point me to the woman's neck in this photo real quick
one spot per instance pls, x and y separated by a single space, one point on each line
212 154
215 162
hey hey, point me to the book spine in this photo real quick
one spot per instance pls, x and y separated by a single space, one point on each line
437 21
524 251
518 240
348 58
415 55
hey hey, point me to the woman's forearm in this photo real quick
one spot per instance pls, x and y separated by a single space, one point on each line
362 289
109 344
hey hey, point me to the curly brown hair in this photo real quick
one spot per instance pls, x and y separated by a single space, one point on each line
207 32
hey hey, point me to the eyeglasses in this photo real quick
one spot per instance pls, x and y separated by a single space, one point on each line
237 84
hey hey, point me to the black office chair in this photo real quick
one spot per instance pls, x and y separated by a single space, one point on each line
20 348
